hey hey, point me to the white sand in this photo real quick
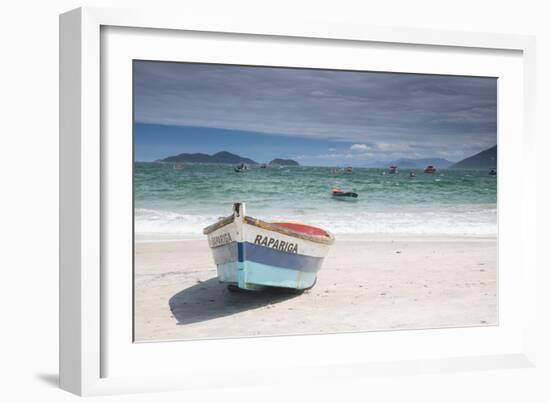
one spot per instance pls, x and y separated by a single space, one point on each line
373 283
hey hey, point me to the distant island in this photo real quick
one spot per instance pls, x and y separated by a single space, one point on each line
223 157
280 161
486 159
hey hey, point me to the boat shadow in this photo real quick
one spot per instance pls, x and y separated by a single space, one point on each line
210 299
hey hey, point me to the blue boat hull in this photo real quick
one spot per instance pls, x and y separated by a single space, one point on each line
253 267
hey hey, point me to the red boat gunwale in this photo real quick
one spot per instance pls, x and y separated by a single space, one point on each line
303 228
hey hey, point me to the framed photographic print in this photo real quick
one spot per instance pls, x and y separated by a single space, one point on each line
353 200
261 193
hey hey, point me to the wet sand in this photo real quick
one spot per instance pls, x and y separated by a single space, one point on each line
372 283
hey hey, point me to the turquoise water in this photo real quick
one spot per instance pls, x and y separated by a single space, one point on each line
178 203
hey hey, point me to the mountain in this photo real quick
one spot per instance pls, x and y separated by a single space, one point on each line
487 159
279 161
188 158
223 157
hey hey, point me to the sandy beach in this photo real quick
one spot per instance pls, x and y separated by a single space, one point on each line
369 283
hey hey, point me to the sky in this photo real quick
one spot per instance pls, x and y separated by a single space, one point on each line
317 117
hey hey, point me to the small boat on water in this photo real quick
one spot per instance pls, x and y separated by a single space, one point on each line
340 194
263 166
412 174
348 169
178 166
393 169
430 169
493 172
252 254
242 167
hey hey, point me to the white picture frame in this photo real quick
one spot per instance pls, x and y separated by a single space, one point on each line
94 340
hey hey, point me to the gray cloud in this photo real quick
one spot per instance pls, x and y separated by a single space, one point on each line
420 114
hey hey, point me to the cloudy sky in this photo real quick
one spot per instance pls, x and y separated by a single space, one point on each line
319 117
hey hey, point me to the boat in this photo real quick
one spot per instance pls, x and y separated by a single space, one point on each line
393 169
178 166
263 166
348 169
340 194
412 174
493 172
251 254
430 169
242 167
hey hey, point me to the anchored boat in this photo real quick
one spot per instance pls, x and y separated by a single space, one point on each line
242 167
338 193
253 254
430 169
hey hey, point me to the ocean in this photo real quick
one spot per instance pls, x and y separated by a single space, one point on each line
178 203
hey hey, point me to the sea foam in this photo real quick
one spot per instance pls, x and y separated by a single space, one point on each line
477 222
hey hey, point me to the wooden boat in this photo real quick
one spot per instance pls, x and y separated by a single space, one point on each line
430 169
253 254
